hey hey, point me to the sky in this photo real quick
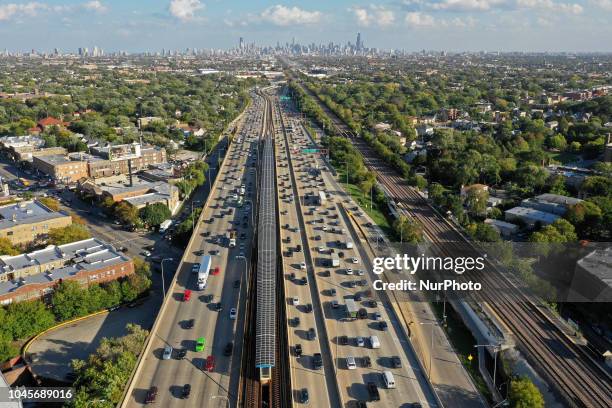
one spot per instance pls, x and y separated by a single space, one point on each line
412 25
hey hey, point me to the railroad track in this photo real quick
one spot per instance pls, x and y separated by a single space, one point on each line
566 366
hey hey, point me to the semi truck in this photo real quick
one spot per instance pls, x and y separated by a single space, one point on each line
322 198
204 271
163 227
232 238
351 309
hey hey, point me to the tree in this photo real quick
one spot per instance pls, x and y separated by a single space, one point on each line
29 318
155 214
408 229
484 232
68 234
7 248
597 186
524 394
127 213
586 217
476 200
69 301
560 231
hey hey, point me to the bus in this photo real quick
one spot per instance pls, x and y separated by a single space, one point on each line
351 309
204 271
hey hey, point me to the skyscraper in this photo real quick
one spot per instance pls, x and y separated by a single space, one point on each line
358 44
241 43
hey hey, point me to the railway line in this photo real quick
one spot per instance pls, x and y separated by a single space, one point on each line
566 366
265 379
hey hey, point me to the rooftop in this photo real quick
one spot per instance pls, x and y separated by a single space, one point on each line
27 212
533 214
558 199
54 159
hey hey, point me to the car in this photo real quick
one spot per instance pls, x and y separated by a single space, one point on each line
229 348
358 296
366 362
332 291
216 270
295 301
151 395
181 354
334 304
396 362
186 295
359 272
351 284
304 398
303 265
343 340
200 344
317 361
189 324
382 325
303 281
359 341
207 298
312 334
377 316
298 349
298 248
186 391
349 271
167 353
373 303
210 363
146 253
362 282
236 284
296 321
309 308
233 313
373 391
362 313
354 260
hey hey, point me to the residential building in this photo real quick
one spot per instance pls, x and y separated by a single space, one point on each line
35 275
551 203
529 216
505 229
28 221
61 168
592 279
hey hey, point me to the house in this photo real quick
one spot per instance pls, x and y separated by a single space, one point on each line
529 216
551 203
49 121
505 229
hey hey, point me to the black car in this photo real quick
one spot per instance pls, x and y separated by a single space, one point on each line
186 391
219 307
325 274
317 361
236 284
229 348
304 398
343 340
303 281
382 325
358 297
366 361
296 321
151 395
362 313
396 362
207 298
309 308
298 350
373 391
189 324
181 354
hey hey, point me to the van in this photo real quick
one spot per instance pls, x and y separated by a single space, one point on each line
388 379
374 343
350 363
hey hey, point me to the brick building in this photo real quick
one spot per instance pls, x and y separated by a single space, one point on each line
61 168
28 221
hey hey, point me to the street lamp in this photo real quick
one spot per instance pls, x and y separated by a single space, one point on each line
496 348
432 324
227 401
162 273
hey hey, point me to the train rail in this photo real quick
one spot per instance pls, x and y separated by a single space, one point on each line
566 366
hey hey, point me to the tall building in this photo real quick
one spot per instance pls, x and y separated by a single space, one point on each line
358 44
241 44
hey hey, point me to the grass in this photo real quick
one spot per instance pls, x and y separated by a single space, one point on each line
563 157
363 200
463 343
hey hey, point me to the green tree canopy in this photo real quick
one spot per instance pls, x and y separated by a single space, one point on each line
155 214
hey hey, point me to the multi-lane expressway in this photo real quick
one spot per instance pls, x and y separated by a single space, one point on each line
220 215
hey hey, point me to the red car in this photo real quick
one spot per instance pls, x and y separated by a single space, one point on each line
151 395
186 295
210 363
216 270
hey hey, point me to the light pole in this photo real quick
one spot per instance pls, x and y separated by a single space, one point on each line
227 401
496 348
432 324
162 273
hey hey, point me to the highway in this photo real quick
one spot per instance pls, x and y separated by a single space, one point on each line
336 284
222 214
563 364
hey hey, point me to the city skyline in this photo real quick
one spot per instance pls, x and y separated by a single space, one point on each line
411 25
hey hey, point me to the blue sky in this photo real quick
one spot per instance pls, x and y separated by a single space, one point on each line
453 25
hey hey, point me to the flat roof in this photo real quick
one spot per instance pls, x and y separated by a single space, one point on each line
533 214
27 212
55 159
558 199
599 263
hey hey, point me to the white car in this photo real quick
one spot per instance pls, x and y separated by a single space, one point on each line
354 260
233 313
146 253
303 265
349 271
295 301
360 272
360 341
167 353
321 249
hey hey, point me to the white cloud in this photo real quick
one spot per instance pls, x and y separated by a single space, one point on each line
96 6
10 10
185 9
373 15
418 19
466 5
551 6
284 16
603 4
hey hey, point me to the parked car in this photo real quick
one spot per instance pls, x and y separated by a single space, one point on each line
167 353
396 362
151 395
298 349
343 340
229 348
186 391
